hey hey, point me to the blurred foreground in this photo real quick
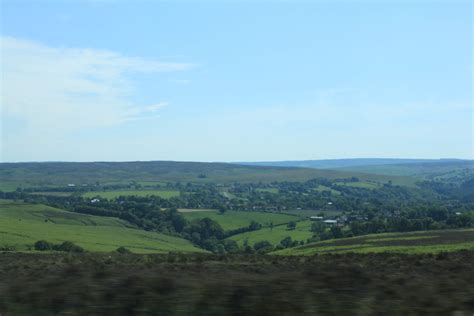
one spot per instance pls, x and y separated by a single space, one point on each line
174 284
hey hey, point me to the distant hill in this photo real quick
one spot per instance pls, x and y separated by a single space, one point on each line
345 163
13 175
451 171
443 169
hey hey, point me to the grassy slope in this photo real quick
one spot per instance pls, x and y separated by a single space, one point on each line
422 170
21 225
56 173
323 188
166 194
414 242
362 184
236 219
275 235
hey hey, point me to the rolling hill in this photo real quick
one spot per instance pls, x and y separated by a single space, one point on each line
435 170
22 224
412 242
420 168
15 175
336 163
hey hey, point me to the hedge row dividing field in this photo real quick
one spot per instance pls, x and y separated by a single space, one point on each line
165 194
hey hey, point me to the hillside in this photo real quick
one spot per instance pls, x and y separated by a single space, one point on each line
22 224
15 175
337 163
237 219
451 171
413 242
420 168
274 235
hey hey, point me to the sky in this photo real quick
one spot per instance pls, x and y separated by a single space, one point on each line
105 80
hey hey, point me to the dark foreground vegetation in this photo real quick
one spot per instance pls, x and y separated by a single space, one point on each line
175 284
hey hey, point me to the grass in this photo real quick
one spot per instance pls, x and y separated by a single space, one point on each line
275 235
308 213
269 190
62 173
21 225
61 194
235 219
420 169
323 188
343 284
165 194
361 184
414 242
190 210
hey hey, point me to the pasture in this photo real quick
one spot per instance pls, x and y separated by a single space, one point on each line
362 184
165 194
236 219
21 225
323 188
60 194
413 242
62 173
304 214
269 190
275 235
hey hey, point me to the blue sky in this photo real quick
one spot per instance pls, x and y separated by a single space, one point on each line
236 80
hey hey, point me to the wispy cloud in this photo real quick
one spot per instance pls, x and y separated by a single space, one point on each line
51 89
180 81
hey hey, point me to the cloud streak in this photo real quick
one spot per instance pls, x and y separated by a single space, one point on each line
50 89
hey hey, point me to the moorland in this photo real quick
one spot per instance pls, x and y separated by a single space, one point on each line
159 237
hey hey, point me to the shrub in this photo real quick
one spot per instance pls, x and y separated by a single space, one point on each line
291 225
123 250
263 246
286 242
68 246
43 245
7 248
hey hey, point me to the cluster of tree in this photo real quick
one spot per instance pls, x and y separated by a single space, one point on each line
290 195
463 191
67 246
388 208
417 220
264 246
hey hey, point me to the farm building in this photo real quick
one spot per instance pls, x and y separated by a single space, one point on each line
316 218
330 222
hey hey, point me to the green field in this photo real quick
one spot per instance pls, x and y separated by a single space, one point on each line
304 214
275 235
165 194
415 242
323 188
63 194
21 225
423 170
237 219
63 173
269 190
361 184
